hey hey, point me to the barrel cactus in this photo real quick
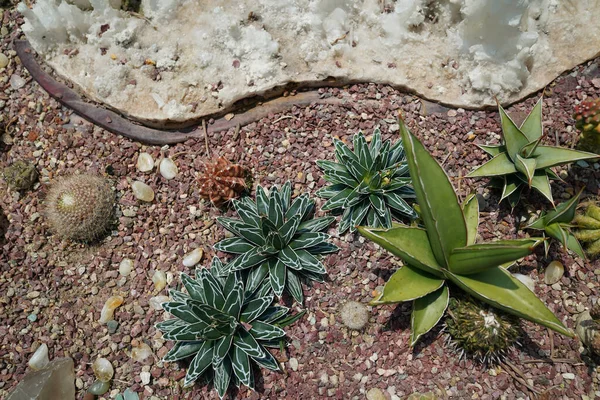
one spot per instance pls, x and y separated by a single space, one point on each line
80 207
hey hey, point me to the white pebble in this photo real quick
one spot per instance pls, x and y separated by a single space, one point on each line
145 162
168 169
125 267
145 377
156 302
526 280
16 82
39 359
141 191
141 353
192 258
160 280
569 375
294 364
554 271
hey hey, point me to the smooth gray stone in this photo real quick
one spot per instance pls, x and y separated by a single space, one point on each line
55 381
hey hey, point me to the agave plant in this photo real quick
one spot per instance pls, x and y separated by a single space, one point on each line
370 184
220 324
557 224
522 161
276 237
445 250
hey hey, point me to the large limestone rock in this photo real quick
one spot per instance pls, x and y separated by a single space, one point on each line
182 60
55 381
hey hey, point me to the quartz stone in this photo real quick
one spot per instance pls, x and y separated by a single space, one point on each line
55 381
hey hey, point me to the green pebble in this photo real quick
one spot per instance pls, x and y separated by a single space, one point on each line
99 388
112 326
32 317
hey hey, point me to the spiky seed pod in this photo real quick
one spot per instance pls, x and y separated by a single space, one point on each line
276 240
222 181
223 325
80 207
587 120
482 332
20 175
588 229
369 185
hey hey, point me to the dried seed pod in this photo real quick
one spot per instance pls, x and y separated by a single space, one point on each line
222 181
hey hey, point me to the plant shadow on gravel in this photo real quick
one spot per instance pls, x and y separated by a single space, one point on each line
3 227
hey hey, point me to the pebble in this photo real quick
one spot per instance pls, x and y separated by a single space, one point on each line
33 295
109 307
142 192
98 388
112 326
103 369
145 162
125 267
192 258
141 352
157 302
569 375
160 280
554 271
375 394
168 169
294 364
39 359
16 82
3 60
145 377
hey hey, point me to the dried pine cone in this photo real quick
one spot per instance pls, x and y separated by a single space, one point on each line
222 181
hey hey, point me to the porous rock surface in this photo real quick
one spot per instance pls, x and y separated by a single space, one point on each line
179 61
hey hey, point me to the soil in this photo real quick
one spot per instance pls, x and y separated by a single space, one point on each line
52 291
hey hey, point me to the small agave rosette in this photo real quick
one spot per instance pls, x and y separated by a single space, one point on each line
370 186
223 326
277 241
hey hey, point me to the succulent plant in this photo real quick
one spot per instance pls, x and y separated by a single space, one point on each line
480 331
222 181
276 238
588 229
522 161
20 175
80 207
587 120
223 325
370 184
446 250
557 225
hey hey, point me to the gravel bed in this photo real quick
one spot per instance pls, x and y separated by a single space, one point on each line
52 291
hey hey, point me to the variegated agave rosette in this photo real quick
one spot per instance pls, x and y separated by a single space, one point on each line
522 160
369 186
277 241
223 326
445 250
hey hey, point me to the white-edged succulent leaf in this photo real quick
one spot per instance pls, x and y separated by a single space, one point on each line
289 238
224 327
372 177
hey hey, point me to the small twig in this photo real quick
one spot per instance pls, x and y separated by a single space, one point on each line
446 159
205 137
551 335
555 361
517 375
284 117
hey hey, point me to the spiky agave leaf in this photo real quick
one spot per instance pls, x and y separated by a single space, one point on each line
522 161
370 185
222 326
557 225
445 249
276 240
